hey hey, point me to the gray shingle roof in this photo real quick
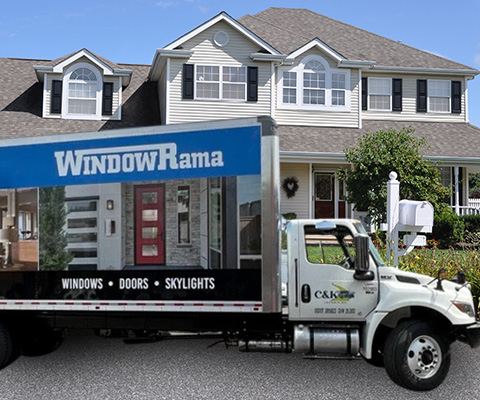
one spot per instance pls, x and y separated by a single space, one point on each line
52 63
288 29
21 102
439 136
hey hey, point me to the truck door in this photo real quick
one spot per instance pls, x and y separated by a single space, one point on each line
326 288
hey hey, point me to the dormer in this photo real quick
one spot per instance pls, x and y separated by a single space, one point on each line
316 77
82 86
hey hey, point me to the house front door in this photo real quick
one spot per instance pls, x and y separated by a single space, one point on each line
324 195
149 225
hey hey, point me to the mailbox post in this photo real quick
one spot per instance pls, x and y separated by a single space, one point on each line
409 216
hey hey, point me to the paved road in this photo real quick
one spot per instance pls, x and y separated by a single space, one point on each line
88 367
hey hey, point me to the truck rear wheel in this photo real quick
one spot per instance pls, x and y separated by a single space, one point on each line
416 357
6 346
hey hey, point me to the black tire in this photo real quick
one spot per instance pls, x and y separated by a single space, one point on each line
42 341
417 356
6 346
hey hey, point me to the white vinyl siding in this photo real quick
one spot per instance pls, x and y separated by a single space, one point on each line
235 54
300 203
409 103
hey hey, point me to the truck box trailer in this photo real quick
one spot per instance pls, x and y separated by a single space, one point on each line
178 228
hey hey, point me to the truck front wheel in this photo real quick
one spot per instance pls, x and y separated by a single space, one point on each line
416 357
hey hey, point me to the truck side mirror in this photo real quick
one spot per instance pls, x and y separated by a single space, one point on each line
362 258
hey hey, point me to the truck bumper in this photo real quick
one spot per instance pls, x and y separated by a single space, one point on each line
473 335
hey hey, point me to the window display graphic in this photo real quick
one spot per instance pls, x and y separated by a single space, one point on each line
139 205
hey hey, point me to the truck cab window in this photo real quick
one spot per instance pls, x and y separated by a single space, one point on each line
329 247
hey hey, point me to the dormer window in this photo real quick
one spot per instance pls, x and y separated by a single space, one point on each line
313 84
83 94
83 86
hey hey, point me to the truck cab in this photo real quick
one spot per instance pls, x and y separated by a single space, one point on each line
343 300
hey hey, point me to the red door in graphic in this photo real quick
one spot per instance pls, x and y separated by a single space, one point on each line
149 225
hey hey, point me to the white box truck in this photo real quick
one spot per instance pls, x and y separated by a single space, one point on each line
178 228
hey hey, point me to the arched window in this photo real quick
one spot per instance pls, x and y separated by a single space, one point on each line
82 92
313 84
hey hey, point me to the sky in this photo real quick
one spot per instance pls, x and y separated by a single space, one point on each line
129 31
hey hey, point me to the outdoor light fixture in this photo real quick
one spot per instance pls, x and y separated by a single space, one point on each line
109 204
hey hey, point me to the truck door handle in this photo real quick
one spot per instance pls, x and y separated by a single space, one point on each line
306 293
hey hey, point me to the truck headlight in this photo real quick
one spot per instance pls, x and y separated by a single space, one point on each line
465 308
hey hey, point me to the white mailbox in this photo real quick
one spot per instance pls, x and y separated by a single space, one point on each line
415 216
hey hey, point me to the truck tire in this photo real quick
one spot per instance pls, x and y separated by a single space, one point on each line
416 356
6 346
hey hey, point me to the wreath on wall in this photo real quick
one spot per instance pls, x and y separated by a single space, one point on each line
290 186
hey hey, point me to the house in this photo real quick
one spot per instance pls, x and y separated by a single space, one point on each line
326 84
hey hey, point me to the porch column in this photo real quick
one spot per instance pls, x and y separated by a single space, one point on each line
457 194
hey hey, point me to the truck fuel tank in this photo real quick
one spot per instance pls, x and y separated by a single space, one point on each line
327 341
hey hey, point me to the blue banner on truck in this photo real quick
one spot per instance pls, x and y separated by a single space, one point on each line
141 157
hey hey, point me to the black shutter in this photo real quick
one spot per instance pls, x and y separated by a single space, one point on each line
456 97
56 97
107 104
396 94
364 93
252 83
421 95
188 81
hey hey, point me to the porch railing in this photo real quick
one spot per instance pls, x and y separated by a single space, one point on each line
474 203
473 208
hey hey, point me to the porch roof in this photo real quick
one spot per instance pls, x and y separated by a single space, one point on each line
453 143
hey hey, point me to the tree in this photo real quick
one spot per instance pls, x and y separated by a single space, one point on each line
379 153
474 185
53 239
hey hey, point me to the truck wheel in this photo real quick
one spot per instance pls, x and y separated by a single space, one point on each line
6 346
416 357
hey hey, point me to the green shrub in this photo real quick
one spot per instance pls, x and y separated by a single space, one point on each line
289 216
448 228
472 238
428 262
472 222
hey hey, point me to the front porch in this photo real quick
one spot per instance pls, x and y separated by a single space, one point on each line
320 194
